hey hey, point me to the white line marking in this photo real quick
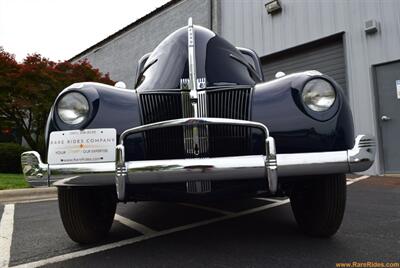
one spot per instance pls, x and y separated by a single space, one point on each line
32 201
351 181
268 199
137 239
220 211
134 225
6 231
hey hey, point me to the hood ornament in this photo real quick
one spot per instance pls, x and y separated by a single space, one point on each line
195 137
192 64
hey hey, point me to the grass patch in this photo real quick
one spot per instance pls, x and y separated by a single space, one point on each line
12 181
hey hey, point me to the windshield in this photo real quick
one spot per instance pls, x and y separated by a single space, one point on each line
219 62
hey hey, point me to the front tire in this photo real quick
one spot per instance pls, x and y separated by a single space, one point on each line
318 204
87 213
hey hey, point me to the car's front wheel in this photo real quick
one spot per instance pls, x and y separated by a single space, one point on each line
87 212
318 204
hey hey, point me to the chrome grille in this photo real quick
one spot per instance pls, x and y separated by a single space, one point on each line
229 140
198 187
162 143
177 142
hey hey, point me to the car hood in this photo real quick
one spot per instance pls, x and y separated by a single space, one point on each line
218 63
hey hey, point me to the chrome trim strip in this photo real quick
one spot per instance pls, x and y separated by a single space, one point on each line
192 132
192 64
195 138
199 121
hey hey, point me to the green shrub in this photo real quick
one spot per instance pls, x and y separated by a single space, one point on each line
10 157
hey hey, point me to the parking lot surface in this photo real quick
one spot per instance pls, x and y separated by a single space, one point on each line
243 233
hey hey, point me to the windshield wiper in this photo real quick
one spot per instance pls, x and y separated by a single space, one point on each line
249 67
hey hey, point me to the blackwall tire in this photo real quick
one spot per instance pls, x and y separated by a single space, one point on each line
318 204
87 213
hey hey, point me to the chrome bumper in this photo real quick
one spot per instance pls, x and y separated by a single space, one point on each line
269 166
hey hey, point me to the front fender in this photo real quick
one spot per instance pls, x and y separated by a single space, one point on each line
110 107
278 105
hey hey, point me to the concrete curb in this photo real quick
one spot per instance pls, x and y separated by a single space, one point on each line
21 195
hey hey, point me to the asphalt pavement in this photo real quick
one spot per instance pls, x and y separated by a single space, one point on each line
243 233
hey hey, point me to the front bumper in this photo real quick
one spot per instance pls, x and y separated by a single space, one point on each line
269 166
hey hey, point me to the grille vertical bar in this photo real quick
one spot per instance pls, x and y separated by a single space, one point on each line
203 130
187 131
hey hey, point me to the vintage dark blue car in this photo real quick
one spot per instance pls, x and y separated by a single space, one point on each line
201 124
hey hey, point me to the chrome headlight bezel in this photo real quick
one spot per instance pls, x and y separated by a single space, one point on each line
72 109
318 95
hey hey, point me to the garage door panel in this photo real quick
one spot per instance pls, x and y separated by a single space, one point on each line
315 56
326 56
335 66
321 64
334 70
316 59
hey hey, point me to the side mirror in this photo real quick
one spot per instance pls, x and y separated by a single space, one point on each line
120 84
252 58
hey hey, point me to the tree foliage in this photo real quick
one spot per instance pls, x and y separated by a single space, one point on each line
28 90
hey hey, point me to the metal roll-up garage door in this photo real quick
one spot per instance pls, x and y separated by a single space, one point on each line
325 55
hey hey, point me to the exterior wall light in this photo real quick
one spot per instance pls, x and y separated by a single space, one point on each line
273 7
371 26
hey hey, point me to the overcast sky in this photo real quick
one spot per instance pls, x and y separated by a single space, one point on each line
60 29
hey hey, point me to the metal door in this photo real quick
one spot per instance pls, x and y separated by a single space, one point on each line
387 82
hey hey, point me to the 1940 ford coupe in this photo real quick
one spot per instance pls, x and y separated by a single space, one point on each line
200 124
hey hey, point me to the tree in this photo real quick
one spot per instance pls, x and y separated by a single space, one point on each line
28 90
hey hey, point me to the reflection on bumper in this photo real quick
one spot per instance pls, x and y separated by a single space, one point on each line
358 159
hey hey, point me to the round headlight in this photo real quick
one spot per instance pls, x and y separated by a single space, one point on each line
319 95
73 108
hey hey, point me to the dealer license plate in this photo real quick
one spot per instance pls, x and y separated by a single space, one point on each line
82 146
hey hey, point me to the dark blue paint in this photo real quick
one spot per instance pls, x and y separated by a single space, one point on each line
294 129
